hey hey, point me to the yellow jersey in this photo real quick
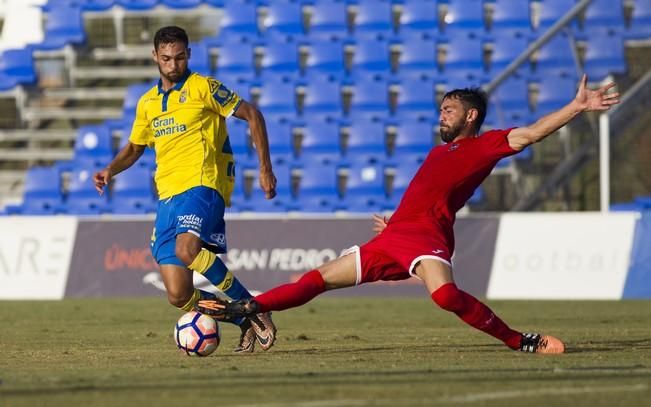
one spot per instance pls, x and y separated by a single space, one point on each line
186 126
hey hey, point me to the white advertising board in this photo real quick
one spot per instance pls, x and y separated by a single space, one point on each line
35 255
562 256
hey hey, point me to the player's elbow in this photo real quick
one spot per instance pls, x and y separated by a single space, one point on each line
250 113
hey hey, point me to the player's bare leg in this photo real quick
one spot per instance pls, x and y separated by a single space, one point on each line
437 277
179 286
338 273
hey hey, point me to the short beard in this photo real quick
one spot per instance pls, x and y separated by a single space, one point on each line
451 134
169 78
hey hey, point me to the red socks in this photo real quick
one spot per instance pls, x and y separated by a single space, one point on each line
475 314
292 295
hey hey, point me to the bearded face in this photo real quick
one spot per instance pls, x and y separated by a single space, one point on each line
172 61
451 130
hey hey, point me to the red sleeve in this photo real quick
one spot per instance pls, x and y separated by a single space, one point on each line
496 143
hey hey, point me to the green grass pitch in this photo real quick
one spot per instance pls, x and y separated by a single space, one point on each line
331 352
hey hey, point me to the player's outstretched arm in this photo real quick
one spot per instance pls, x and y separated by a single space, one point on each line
248 112
123 160
586 100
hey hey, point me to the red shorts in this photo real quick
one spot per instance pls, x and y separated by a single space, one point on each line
392 255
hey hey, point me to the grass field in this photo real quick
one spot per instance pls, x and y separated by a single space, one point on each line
332 352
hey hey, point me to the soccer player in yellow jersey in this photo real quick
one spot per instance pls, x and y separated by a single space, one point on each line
184 119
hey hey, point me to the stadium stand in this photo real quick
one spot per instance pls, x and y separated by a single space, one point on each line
366 72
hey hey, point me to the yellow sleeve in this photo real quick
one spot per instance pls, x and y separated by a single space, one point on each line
218 97
141 132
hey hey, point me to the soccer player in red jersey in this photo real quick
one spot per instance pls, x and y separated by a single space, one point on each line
418 240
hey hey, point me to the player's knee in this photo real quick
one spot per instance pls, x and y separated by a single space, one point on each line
448 297
186 254
178 298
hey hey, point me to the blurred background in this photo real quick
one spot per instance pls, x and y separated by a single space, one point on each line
349 89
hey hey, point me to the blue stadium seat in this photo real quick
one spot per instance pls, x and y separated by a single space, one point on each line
323 98
601 15
181 4
365 142
420 16
604 55
512 95
418 55
7 82
556 57
551 11
373 19
461 78
370 99
463 53
200 59
239 138
97 5
417 100
320 142
64 26
328 20
627 207
413 141
238 58
371 55
42 193
239 21
506 48
281 142
277 99
284 17
640 28
82 198
364 188
644 201
279 57
325 56
513 16
18 64
93 146
133 192
554 93
318 188
138 5
464 18
257 202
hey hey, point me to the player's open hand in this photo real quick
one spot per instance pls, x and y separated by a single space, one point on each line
379 223
268 184
101 179
590 100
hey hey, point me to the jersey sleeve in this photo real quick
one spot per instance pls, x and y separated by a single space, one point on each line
496 143
219 98
141 133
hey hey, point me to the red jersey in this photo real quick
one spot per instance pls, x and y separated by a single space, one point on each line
446 180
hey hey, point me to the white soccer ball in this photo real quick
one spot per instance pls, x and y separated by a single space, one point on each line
196 334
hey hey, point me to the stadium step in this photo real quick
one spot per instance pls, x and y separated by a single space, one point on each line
86 93
131 53
39 153
116 72
71 113
37 135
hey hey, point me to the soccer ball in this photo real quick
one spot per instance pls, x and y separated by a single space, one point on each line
196 334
